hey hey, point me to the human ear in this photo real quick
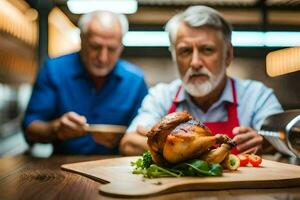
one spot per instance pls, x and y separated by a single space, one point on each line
229 54
173 53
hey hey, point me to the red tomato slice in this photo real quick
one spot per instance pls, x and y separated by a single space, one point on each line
254 160
243 159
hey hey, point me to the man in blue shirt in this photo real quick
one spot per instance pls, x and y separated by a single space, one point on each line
201 46
93 86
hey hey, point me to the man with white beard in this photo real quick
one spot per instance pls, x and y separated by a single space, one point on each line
201 46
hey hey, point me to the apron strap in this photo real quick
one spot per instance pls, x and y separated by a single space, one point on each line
233 91
174 102
232 107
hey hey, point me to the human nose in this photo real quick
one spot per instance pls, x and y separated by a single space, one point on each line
196 61
103 54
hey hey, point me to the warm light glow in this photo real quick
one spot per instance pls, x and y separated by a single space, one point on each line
15 23
18 43
64 36
283 61
118 6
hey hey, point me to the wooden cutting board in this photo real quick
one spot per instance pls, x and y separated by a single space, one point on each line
117 174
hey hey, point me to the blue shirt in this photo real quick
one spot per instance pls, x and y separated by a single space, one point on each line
63 85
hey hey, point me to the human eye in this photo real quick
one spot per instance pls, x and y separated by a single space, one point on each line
208 50
94 46
184 51
112 49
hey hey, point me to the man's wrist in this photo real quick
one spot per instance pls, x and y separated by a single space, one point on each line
54 128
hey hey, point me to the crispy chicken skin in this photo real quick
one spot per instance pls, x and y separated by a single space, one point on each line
178 137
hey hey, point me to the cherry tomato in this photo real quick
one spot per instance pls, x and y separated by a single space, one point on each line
254 160
243 159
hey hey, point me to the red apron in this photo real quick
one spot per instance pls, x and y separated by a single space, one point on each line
223 127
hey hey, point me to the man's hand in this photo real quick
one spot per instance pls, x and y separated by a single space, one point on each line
247 139
134 143
70 125
142 130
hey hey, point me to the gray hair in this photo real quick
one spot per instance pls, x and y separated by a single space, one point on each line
197 16
85 19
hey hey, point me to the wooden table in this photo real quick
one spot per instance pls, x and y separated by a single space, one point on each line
24 177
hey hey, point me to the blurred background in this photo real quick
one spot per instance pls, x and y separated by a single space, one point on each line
31 30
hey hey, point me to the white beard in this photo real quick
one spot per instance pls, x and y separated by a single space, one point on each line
200 88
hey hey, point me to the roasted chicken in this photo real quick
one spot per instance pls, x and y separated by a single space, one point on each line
178 137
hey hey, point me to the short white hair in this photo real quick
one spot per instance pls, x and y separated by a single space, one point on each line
86 18
197 16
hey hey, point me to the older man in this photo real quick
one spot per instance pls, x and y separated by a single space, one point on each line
92 85
201 46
